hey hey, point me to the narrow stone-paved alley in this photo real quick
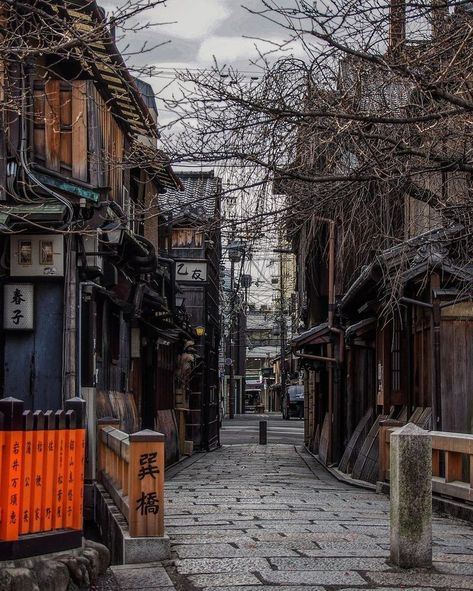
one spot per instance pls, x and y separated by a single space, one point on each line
248 516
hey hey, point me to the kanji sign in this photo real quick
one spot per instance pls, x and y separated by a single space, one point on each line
146 483
194 271
18 310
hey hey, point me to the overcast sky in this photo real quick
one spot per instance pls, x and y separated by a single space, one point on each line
190 33
199 29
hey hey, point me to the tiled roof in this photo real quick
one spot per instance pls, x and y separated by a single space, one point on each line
200 197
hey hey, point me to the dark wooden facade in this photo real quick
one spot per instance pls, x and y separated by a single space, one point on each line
82 162
195 246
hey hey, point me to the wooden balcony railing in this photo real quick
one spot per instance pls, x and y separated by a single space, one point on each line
131 468
452 461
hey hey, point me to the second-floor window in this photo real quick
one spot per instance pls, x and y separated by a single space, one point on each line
76 135
60 139
187 238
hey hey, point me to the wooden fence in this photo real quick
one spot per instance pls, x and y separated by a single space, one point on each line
452 461
41 472
131 468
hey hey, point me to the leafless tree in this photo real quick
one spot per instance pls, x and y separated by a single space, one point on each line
363 114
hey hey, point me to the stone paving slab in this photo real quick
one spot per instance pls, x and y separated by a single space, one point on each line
420 579
142 576
291 527
224 580
333 563
220 565
230 551
314 577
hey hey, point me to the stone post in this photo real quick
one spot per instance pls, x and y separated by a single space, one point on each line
263 432
411 497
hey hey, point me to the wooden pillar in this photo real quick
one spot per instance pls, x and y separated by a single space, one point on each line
75 501
146 484
436 355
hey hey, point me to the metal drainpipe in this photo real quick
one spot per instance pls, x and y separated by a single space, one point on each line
330 348
82 284
312 357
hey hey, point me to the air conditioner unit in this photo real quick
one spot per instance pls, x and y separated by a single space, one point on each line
34 255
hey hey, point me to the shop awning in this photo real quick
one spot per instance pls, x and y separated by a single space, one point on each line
361 326
317 335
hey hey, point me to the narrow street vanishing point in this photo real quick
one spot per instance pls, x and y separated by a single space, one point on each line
236 295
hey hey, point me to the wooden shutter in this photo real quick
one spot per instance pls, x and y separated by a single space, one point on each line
60 127
52 115
79 130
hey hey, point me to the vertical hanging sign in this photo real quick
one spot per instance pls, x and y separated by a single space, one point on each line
18 309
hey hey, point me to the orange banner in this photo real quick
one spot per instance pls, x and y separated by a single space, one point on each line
49 473
37 480
12 460
26 483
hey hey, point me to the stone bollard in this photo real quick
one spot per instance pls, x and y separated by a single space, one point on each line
411 497
263 432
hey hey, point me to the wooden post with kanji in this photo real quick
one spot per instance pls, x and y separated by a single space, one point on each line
146 484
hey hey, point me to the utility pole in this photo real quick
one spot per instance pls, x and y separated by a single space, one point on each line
231 397
281 252
234 254
283 327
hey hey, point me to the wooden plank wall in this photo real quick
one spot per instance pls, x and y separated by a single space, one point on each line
422 359
457 375
110 145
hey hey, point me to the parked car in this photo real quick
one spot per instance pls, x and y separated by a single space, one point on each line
293 402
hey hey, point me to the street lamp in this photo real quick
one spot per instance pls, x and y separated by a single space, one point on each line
114 232
235 251
200 331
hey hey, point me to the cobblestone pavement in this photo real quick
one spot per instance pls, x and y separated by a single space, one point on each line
248 517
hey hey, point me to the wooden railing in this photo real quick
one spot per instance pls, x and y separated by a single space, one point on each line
131 468
41 477
452 461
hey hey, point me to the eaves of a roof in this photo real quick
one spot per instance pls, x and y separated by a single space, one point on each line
105 64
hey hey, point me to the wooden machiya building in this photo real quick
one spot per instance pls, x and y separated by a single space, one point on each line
364 366
193 219
88 302
387 331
